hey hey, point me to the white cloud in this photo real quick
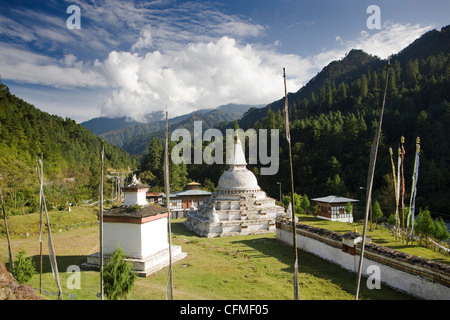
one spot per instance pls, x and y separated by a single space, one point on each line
145 39
207 74
389 40
19 65
202 75
78 104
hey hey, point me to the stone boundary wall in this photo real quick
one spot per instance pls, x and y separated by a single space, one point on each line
418 277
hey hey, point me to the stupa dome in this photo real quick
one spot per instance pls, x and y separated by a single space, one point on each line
238 177
238 180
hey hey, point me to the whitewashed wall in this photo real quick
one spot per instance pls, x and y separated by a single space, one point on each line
137 240
413 285
132 198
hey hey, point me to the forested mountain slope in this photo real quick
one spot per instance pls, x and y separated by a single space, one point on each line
71 156
333 122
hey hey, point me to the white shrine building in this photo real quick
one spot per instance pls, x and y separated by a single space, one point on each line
237 207
140 229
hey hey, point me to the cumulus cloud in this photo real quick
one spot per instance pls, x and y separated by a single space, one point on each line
390 39
208 74
202 75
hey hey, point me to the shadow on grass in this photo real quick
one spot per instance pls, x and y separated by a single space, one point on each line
63 262
315 266
308 219
179 229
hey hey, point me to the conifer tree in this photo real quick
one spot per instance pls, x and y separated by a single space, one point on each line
425 225
118 277
376 212
440 230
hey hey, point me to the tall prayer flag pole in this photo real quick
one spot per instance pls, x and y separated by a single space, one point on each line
40 221
372 162
397 196
395 184
288 138
414 188
51 249
101 224
169 292
11 262
391 153
402 141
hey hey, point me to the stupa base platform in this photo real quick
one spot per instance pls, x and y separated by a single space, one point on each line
142 267
229 228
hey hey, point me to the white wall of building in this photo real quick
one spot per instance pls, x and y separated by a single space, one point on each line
137 240
127 236
132 198
154 236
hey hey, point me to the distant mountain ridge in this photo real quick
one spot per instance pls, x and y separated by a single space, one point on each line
348 68
138 144
102 125
134 136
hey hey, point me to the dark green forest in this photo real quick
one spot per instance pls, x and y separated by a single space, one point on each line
332 131
71 156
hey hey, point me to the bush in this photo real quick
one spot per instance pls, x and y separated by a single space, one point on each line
425 225
376 211
134 208
24 268
118 277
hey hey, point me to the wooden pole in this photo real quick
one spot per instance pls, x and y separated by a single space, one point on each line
372 162
41 188
101 224
294 231
51 249
169 293
11 262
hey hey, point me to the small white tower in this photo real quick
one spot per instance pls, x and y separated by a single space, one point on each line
140 229
134 193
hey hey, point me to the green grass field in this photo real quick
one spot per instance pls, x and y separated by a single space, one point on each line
255 267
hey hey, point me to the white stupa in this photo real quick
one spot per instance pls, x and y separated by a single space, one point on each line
237 207
140 229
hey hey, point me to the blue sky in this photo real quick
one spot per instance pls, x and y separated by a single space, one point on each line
133 57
